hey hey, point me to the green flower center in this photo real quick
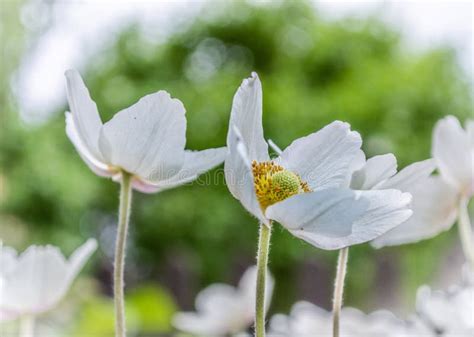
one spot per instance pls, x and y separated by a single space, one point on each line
273 183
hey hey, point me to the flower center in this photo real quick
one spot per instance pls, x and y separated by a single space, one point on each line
273 183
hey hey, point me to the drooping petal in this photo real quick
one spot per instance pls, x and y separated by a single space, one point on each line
409 176
434 211
98 167
246 116
453 154
195 164
337 218
148 138
238 174
376 170
84 112
323 159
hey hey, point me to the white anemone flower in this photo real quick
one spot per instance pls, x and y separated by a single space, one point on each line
305 189
309 320
431 205
438 200
146 140
36 280
223 309
453 150
448 313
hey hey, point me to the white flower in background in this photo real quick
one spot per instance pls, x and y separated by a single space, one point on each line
309 320
146 140
437 200
223 309
306 187
447 313
453 150
431 205
36 280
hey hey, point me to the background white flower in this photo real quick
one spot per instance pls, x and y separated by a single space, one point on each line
447 313
309 320
223 309
453 150
36 280
438 199
146 139
306 187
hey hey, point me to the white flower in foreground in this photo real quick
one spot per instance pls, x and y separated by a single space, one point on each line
306 187
223 309
309 320
36 280
146 140
447 313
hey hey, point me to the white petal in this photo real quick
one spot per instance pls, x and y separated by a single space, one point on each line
195 164
376 170
238 174
148 138
94 163
470 132
247 289
434 211
337 218
79 258
409 176
39 278
198 325
246 116
323 159
37 282
85 113
453 154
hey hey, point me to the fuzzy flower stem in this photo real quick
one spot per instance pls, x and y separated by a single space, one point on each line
465 232
120 245
262 261
27 326
339 289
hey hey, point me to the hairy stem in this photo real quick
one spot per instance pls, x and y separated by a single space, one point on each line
339 289
262 261
120 246
465 232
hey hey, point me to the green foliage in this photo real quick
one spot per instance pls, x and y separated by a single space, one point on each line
313 72
149 310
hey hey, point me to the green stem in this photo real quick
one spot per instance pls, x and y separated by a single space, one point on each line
339 289
262 261
27 326
465 232
120 245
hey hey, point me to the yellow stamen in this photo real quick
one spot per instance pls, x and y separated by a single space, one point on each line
273 183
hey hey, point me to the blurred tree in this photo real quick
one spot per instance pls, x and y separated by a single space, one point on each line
313 71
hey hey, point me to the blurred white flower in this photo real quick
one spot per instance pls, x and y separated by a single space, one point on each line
309 320
223 309
306 188
146 140
447 313
36 280
453 150
431 205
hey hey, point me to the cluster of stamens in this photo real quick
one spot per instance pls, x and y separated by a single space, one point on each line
273 183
